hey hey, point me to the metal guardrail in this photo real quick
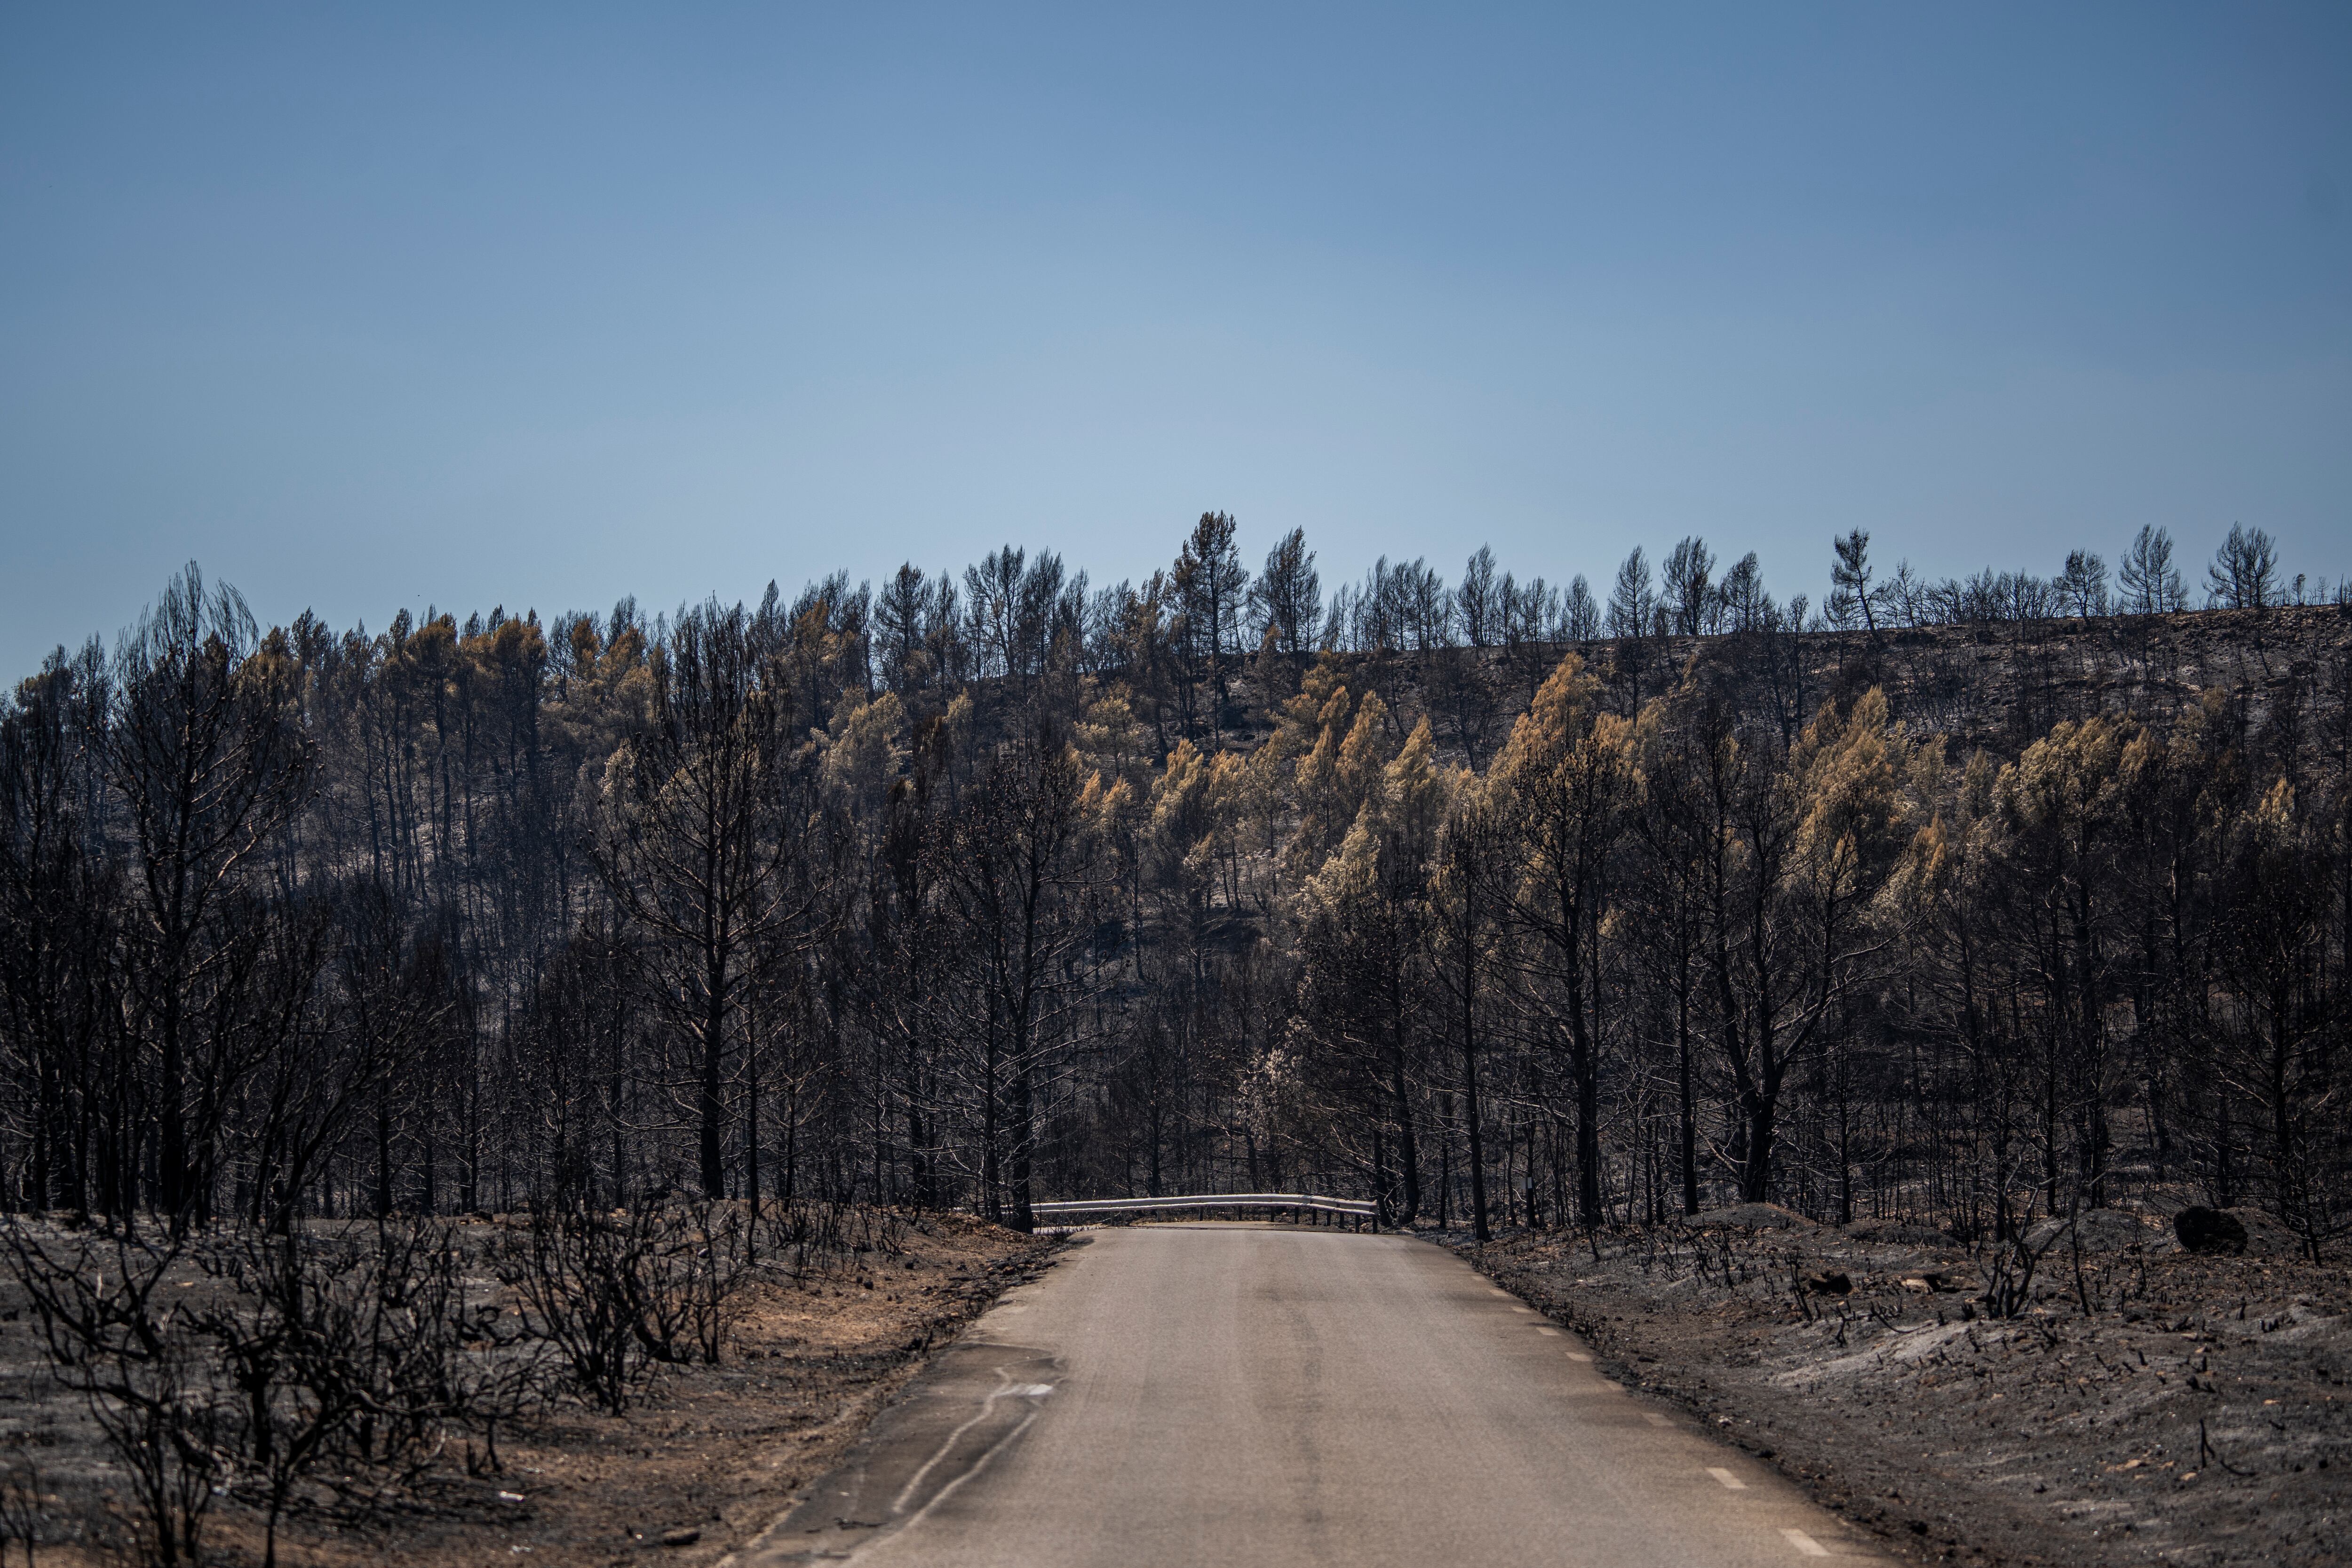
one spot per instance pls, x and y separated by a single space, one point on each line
1358 1208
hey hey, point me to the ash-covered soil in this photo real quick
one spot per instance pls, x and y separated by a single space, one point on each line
710 1458
2156 1407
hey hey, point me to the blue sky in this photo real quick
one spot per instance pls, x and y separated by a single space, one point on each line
488 305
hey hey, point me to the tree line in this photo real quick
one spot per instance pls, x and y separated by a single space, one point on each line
1497 902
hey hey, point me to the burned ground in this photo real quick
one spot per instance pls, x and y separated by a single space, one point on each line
709 1458
2154 1407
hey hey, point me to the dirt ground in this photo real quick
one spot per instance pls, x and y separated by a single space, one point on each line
2198 1412
710 1458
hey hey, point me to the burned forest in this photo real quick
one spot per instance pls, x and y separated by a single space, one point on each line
546 977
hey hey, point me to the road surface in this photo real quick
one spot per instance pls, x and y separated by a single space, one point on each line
1265 1395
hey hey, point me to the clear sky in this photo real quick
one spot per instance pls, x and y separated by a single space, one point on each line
373 306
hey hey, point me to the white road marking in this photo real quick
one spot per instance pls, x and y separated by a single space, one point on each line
1578 1355
1553 1332
1805 1543
1654 1419
1731 1483
1032 1391
1506 1295
1529 1311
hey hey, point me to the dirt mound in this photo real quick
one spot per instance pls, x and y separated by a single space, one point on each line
1752 1216
1894 1233
2265 1236
2099 1230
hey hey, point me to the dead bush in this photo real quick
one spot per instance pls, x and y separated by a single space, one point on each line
358 1359
620 1294
273 1369
813 1236
117 1333
21 1510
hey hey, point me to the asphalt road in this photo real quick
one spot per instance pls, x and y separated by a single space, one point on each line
1260 1394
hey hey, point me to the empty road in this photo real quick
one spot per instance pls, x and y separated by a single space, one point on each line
1260 1394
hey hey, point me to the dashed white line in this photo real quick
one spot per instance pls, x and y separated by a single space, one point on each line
1579 1355
1654 1419
1552 1332
1729 1482
1805 1543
